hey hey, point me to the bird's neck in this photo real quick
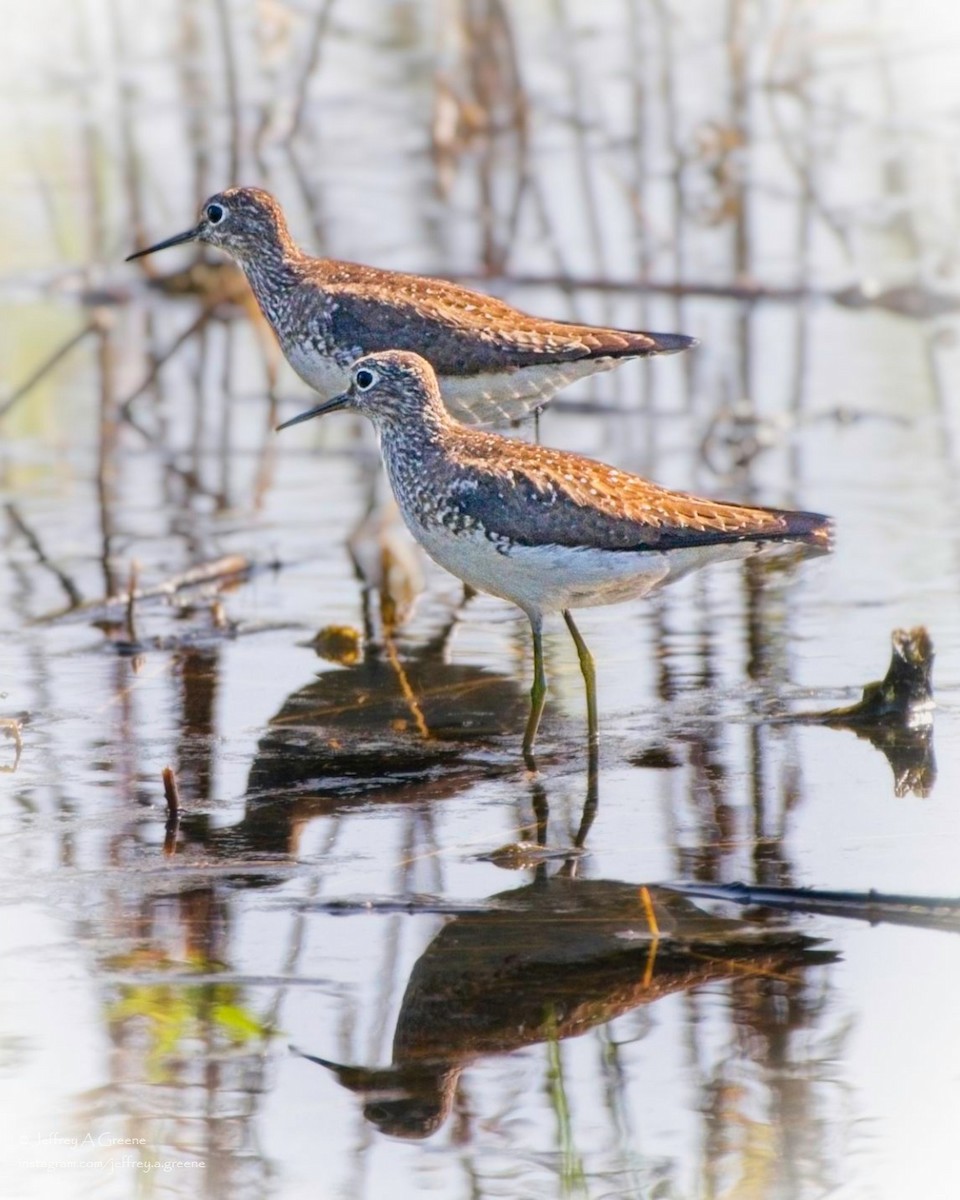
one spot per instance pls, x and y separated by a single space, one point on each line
273 270
415 450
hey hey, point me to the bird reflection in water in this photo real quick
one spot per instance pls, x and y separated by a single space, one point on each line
549 961
386 714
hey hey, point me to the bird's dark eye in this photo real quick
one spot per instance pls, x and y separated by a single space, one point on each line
214 214
365 379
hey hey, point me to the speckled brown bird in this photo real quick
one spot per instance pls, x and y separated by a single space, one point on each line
493 362
548 530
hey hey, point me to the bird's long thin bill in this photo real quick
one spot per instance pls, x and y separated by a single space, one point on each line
176 240
326 407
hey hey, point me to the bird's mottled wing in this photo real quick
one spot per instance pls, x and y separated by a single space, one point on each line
464 333
565 500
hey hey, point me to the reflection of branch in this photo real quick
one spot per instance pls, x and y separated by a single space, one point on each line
408 693
928 912
230 81
57 357
801 169
302 178
124 411
581 152
127 87
73 592
916 301
639 287
320 29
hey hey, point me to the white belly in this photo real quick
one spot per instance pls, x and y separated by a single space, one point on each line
545 579
324 375
549 579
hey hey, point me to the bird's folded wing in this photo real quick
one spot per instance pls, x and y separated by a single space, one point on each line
464 333
565 500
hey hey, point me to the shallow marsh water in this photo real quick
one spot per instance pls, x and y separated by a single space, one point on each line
786 179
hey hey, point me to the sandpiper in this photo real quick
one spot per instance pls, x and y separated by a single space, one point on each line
494 363
546 529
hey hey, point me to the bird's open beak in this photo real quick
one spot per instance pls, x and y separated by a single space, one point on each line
328 406
178 239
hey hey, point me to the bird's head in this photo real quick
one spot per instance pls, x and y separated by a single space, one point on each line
243 221
392 388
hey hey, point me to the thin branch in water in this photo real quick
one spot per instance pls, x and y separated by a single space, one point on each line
171 793
132 590
925 912
71 589
106 455
221 572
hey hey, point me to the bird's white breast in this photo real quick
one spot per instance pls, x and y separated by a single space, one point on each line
543 579
324 374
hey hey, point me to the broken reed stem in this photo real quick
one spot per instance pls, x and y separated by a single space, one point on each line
132 601
172 793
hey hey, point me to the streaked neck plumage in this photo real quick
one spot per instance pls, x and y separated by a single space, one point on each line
274 267
415 442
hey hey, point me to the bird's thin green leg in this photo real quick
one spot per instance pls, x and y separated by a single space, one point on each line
538 693
589 672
